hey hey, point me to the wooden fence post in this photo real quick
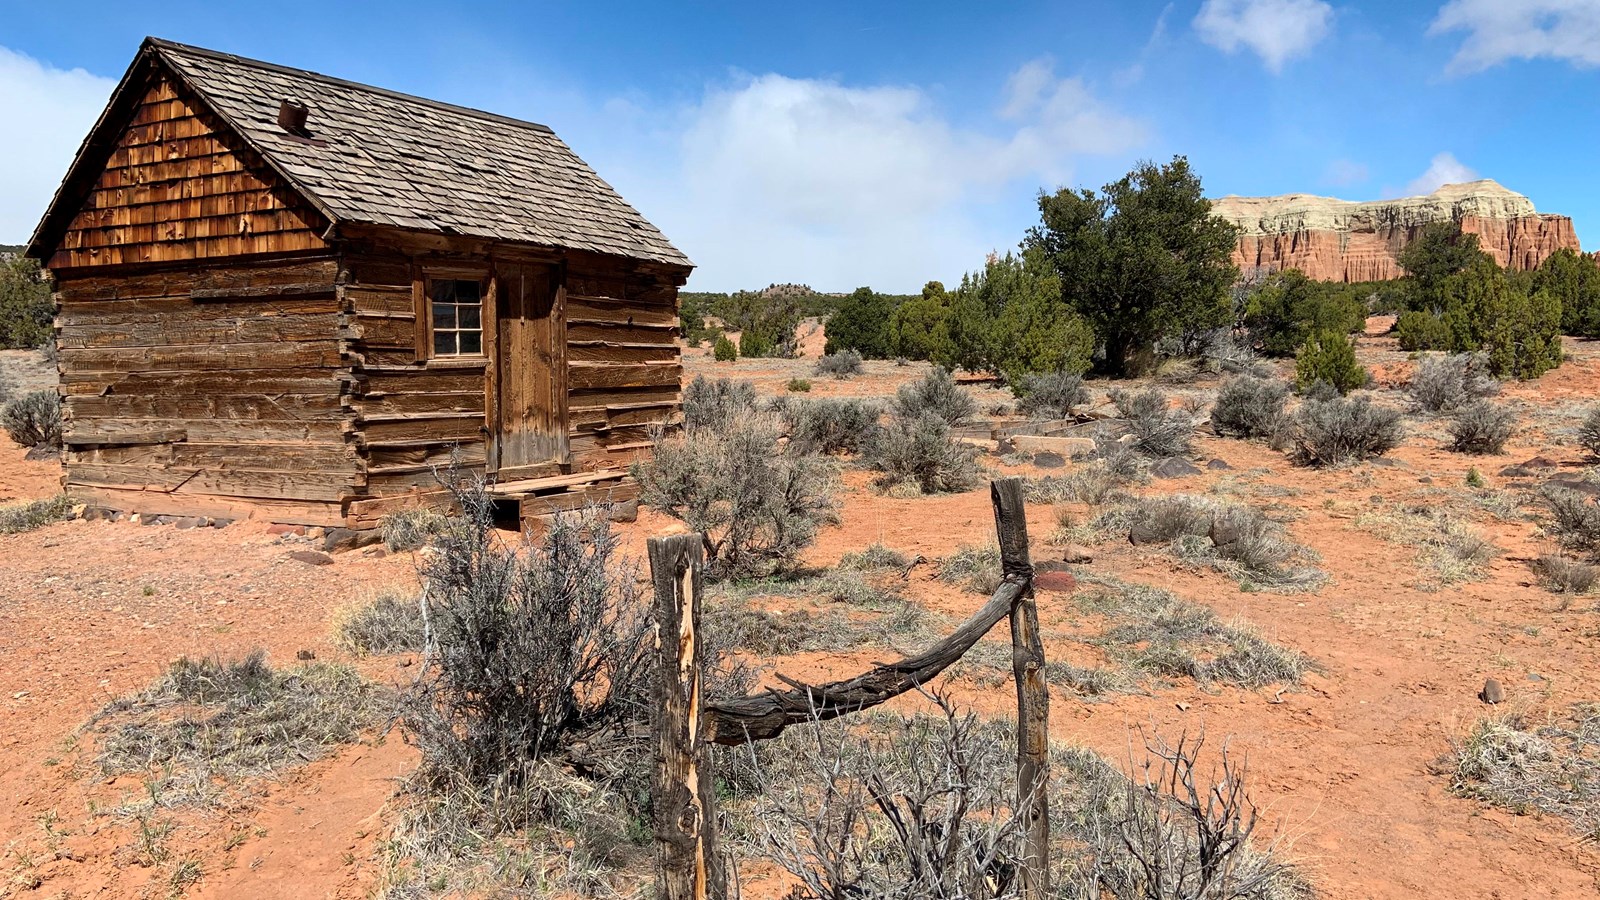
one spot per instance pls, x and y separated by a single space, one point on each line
1033 695
687 864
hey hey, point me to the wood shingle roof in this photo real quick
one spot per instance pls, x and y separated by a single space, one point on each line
377 157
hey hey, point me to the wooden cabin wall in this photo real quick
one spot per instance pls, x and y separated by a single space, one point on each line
179 186
624 365
409 418
185 391
623 368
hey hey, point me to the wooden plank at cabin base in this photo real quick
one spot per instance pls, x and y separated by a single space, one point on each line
560 481
152 503
545 504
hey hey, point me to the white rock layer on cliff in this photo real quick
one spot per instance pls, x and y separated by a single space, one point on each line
1341 240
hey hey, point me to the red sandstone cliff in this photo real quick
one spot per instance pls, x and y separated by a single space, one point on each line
1337 240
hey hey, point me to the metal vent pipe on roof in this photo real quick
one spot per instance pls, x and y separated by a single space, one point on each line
292 116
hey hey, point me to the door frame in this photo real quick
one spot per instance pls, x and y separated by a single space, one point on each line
492 339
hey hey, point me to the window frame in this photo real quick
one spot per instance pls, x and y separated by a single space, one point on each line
422 293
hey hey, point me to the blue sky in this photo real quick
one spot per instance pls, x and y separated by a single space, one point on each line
842 144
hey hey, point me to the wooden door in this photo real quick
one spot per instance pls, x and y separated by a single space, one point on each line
528 379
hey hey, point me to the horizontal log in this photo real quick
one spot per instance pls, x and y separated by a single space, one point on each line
582 376
177 332
766 715
195 504
624 398
415 432
292 485
369 299
620 354
285 355
161 311
589 312
256 382
75 286
245 408
258 291
375 405
131 438
286 456
86 430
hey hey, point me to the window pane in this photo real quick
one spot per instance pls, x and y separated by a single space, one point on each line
471 341
444 291
444 343
466 292
467 317
444 315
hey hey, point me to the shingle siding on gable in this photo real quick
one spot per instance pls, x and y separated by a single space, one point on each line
176 188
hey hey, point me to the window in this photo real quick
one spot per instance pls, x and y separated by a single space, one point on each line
457 314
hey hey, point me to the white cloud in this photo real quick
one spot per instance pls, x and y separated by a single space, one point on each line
1500 30
787 179
1277 30
1442 169
51 110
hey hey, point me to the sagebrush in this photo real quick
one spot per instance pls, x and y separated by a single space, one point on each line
919 451
1343 430
938 394
757 506
1248 407
33 419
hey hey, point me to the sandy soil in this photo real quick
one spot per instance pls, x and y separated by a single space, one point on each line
1342 767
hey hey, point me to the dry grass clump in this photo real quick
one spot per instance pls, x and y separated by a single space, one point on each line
548 833
411 529
1158 430
1155 632
1482 427
390 622
1237 540
918 456
875 557
844 364
1450 549
976 568
1552 769
743 626
212 719
1342 430
35 514
1249 407
1445 383
1561 575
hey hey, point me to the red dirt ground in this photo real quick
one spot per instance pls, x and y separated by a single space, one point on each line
1342 766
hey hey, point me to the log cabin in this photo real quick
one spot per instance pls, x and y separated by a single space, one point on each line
297 298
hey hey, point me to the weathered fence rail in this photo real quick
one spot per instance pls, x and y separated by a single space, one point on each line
685 724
